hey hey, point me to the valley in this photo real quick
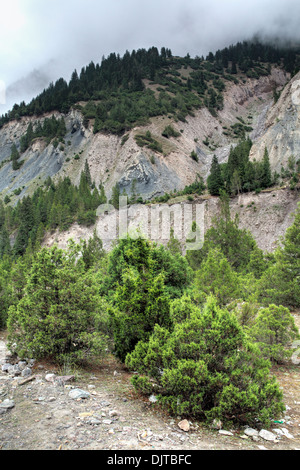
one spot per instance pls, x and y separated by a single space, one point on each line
149 255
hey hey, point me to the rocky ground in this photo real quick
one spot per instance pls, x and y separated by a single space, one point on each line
46 408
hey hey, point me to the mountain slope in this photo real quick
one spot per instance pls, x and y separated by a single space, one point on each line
150 124
112 161
281 132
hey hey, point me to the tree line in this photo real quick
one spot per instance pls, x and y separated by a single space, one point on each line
117 83
240 174
54 206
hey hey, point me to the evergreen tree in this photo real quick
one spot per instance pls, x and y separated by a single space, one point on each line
56 316
266 171
5 248
215 182
173 244
207 368
103 198
218 278
236 184
275 330
15 156
26 217
92 251
236 244
87 174
141 302
115 198
6 288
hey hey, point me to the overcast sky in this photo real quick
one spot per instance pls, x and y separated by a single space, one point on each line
40 40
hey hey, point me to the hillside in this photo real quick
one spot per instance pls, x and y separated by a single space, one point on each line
208 109
176 113
183 295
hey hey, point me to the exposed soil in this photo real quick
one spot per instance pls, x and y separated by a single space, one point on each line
115 418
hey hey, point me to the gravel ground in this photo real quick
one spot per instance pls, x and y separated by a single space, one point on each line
114 418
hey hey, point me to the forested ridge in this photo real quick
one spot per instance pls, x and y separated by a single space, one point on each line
116 97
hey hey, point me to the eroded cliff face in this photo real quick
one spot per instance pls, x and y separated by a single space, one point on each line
266 216
281 131
152 174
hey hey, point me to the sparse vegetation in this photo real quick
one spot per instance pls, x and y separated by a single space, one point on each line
169 131
147 140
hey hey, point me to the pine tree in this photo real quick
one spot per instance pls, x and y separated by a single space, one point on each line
174 245
5 248
92 251
207 368
215 182
236 244
103 198
236 184
87 174
56 317
266 171
26 217
115 198
15 156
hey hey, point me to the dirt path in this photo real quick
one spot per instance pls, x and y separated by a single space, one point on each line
113 417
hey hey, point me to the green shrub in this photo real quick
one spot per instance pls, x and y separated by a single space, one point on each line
140 303
87 218
147 140
169 131
57 315
145 256
124 139
182 309
217 277
274 330
194 156
5 292
246 313
206 368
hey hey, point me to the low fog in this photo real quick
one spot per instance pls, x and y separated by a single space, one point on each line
43 41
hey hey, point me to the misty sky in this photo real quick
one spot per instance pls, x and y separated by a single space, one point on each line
40 41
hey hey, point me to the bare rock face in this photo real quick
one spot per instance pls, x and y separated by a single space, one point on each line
266 215
147 178
39 161
281 133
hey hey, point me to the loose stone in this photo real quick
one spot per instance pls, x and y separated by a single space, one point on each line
77 394
184 425
267 435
